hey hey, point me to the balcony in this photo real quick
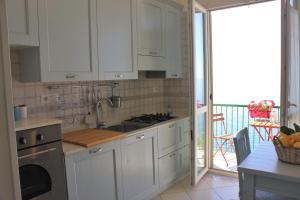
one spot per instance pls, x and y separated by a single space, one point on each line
236 117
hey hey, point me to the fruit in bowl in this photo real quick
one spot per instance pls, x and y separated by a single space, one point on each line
289 137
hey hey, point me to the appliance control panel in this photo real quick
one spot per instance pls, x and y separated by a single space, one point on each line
38 136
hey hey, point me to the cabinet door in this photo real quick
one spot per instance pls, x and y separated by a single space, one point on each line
140 165
151 34
170 138
168 167
68 40
117 39
23 22
95 174
173 42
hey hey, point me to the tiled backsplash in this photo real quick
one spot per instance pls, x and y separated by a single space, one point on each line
71 101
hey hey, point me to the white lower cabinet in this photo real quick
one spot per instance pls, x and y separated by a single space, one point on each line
170 137
140 165
171 167
95 174
130 169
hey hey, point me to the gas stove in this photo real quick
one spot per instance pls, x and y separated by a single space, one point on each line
151 119
136 123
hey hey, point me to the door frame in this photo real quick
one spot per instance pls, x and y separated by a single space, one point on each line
283 92
10 185
193 4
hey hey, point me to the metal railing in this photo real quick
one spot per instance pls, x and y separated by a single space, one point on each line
236 118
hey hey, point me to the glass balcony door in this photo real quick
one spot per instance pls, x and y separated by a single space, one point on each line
201 91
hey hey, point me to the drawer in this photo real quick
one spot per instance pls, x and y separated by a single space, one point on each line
170 138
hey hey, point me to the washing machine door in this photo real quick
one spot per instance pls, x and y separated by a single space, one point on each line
42 173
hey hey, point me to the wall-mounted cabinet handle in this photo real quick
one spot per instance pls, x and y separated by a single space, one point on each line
140 137
70 76
174 154
152 53
93 151
119 75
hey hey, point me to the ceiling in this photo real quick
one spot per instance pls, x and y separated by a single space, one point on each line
217 4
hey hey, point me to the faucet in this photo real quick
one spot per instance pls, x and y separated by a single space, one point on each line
100 124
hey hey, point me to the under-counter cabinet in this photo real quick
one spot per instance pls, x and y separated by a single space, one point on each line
140 165
23 22
95 173
117 39
170 137
171 167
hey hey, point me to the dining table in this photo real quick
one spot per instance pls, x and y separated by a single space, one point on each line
262 170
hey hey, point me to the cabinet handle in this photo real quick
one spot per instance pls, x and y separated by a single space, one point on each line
174 75
119 75
95 150
152 53
172 126
70 76
174 154
140 137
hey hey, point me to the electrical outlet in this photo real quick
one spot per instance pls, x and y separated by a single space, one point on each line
49 99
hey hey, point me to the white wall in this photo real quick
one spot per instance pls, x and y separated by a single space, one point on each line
9 176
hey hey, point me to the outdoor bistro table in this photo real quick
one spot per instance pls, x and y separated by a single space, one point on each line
267 126
263 171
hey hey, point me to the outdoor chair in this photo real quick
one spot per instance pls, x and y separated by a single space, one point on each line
224 141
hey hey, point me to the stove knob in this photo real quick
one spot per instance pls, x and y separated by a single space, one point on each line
22 141
40 137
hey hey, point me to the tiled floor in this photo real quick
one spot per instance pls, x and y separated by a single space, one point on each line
219 162
211 187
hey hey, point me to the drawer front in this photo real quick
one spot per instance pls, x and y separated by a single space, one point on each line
170 138
168 166
167 139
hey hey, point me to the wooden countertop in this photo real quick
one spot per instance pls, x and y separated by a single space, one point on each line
92 137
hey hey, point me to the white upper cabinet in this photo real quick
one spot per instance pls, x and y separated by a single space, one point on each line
159 37
68 40
173 42
23 22
151 28
117 39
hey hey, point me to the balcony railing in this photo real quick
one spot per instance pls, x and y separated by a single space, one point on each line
238 117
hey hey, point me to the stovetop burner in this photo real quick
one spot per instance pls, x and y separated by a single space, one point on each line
151 118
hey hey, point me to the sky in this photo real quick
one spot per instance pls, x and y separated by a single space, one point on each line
246 47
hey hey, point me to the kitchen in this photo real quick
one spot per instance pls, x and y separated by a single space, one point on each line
99 99
79 67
